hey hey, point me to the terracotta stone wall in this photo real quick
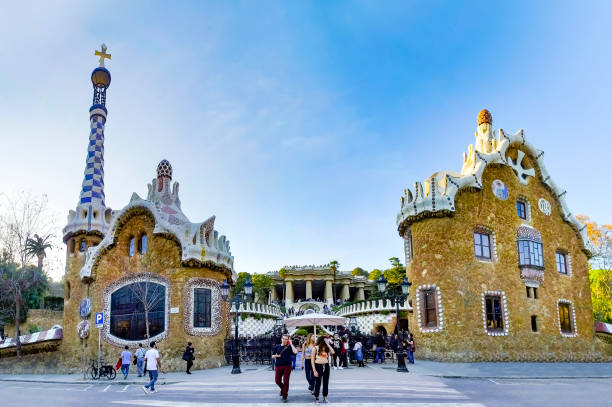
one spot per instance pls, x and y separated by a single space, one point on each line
444 255
163 258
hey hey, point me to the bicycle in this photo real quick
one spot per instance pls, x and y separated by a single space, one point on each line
107 371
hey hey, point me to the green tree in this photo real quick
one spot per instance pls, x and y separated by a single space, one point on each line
333 265
600 273
395 275
374 274
358 271
15 285
37 246
262 285
239 286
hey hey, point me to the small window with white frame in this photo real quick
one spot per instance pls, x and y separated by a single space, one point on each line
567 318
563 262
484 244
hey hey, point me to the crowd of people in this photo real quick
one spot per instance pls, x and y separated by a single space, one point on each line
320 355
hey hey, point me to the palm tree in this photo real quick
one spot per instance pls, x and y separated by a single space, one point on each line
333 265
37 246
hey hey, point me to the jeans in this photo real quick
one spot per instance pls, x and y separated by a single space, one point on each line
282 379
293 360
309 374
380 353
140 366
153 377
410 356
125 369
323 372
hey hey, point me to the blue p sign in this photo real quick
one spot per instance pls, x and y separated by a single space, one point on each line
99 318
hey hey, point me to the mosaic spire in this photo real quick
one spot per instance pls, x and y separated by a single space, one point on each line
91 209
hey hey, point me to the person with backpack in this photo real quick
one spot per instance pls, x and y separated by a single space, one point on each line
139 355
188 356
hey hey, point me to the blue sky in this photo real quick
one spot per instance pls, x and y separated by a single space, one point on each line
299 124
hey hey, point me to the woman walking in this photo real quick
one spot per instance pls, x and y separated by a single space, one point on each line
320 366
306 361
358 353
188 356
411 349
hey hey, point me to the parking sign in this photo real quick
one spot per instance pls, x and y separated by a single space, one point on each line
99 320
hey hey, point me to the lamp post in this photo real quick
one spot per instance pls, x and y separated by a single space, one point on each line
237 300
396 298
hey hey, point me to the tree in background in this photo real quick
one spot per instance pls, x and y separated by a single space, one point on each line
374 274
333 265
242 277
600 270
262 285
395 275
15 284
358 271
37 246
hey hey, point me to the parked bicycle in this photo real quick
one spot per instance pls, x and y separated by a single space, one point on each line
107 371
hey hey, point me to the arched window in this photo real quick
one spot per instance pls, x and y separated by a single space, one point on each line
82 245
143 244
129 305
132 247
67 288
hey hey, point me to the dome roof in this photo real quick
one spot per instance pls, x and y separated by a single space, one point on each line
485 117
101 77
164 169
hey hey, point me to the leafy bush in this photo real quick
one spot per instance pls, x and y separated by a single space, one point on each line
300 332
33 328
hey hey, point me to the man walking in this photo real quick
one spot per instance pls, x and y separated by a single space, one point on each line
140 354
282 356
153 364
380 348
126 359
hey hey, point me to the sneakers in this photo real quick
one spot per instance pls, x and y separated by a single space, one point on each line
316 401
335 368
284 399
340 367
325 400
146 391
153 391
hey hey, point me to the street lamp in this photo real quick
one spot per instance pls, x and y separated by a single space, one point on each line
237 300
396 297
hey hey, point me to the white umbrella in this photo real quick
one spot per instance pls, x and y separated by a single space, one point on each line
314 319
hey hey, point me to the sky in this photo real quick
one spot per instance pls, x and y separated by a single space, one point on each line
299 124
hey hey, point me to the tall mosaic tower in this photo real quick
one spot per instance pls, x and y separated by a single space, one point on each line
91 215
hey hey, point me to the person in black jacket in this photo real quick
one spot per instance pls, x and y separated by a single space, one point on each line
188 356
380 348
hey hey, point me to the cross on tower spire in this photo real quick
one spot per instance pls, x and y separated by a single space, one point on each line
102 54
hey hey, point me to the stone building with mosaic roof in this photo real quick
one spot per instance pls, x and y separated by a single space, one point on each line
144 262
498 262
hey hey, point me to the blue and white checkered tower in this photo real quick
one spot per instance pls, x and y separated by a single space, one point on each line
91 214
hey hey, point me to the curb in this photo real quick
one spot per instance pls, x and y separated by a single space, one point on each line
111 382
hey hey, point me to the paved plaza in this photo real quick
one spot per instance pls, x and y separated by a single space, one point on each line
375 385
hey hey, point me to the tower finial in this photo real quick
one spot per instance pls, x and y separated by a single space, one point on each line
102 54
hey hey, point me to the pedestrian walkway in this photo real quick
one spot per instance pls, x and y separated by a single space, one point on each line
486 370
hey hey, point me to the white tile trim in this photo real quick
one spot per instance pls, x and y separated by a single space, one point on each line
505 313
572 316
439 308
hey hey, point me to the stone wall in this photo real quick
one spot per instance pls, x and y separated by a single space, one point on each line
163 259
443 255
44 318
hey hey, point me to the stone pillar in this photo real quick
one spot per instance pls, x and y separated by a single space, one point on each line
346 293
360 294
273 293
329 294
288 293
308 289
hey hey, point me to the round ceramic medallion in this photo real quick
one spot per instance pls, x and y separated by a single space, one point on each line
85 307
83 329
500 190
544 206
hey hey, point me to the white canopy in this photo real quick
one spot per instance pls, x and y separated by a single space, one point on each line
314 319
